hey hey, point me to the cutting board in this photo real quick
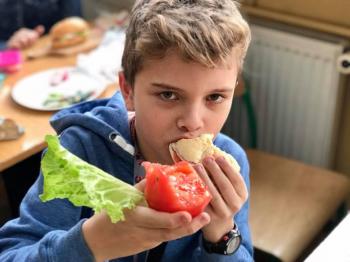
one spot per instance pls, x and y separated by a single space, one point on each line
43 47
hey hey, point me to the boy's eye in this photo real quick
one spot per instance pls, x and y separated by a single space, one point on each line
168 95
215 98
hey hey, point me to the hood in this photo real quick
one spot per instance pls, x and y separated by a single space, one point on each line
107 118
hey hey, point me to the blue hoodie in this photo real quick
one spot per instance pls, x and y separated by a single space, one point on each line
51 231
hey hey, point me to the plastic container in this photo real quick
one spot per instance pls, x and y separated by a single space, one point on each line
10 61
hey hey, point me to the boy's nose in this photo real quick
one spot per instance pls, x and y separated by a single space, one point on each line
191 119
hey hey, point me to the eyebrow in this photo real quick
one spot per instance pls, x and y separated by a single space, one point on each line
166 86
174 88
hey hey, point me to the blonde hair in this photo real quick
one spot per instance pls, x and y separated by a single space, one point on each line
203 31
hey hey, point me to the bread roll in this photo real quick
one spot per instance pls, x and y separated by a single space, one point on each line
196 149
69 32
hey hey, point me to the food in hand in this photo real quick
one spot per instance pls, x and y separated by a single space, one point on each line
68 32
68 176
175 188
169 188
196 149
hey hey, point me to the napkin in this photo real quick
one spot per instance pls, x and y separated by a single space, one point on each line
105 61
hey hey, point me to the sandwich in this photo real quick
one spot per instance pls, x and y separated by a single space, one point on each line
196 149
68 32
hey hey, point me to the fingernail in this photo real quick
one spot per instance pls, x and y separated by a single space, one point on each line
204 219
198 167
208 160
220 159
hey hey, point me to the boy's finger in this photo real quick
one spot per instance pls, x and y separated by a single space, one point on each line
222 182
141 185
149 218
216 202
235 178
196 224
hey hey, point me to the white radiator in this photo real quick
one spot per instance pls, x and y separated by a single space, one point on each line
295 89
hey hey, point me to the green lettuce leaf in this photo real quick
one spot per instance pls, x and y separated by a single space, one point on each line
68 176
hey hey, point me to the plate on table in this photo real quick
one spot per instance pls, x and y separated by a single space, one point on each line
56 88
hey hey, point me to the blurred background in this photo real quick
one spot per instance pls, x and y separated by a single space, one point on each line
291 112
298 70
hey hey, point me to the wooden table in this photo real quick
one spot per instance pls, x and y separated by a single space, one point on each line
36 123
20 158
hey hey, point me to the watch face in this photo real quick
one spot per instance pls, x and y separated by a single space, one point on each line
233 244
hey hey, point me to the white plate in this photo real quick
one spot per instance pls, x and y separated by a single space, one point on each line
34 90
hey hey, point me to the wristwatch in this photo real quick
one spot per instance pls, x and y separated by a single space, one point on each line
228 244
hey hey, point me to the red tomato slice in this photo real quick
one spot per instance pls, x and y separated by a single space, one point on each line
175 188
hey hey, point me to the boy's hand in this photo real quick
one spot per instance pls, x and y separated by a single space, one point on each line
143 229
229 194
25 37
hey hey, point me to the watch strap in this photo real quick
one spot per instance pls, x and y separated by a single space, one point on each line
223 246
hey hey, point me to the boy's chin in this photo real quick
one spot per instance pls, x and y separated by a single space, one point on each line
161 158
165 160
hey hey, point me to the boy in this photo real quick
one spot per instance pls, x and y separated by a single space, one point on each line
180 66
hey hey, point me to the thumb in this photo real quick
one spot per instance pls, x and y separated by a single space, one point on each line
40 29
141 185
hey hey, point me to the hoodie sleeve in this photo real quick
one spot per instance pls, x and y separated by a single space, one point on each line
48 231
245 251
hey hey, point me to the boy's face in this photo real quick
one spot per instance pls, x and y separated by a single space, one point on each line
174 99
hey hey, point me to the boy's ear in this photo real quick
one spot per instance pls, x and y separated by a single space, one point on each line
127 92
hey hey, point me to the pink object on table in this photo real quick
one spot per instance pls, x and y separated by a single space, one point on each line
10 60
59 77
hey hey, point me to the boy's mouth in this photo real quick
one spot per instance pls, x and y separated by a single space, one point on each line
189 154
192 150
174 155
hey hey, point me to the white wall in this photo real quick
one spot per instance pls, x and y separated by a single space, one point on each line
92 8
